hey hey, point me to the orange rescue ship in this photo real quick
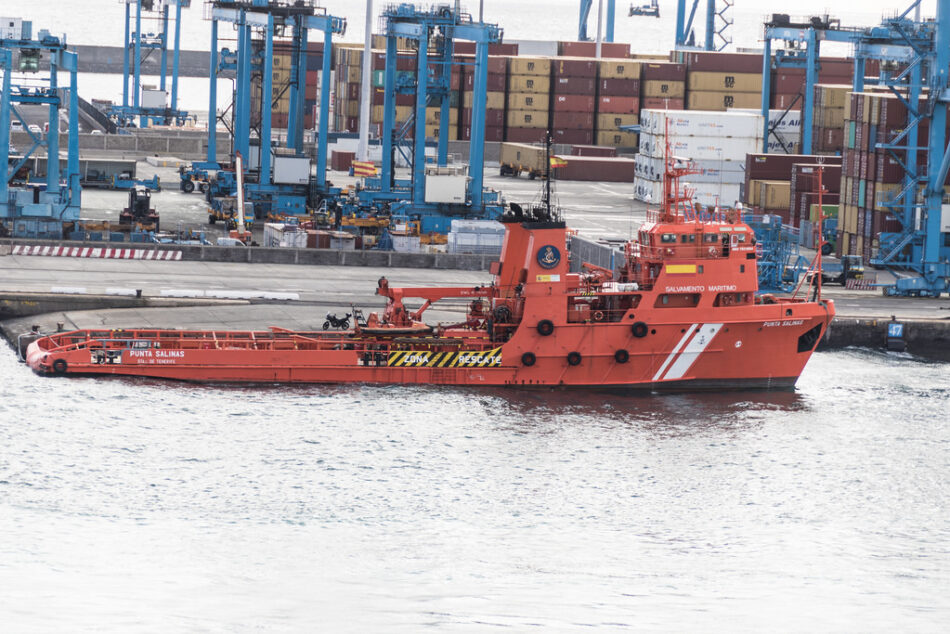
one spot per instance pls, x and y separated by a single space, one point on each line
681 313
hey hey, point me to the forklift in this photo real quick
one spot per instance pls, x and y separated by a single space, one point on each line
140 211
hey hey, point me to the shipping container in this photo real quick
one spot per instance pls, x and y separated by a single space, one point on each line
619 105
540 66
655 88
527 119
721 100
725 81
618 69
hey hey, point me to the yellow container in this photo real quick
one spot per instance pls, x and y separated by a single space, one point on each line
618 139
663 88
493 100
618 69
536 66
529 83
729 82
721 100
610 122
527 119
527 101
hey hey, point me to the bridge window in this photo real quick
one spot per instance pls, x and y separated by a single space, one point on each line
667 238
691 238
711 238
677 300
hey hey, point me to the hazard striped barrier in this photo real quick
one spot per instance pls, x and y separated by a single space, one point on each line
97 252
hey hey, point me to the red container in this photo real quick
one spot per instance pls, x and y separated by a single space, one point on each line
618 105
574 67
889 170
589 49
593 150
580 137
663 70
496 82
722 62
573 86
526 135
403 61
493 117
618 87
784 102
573 103
573 120
341 161
786 82
661 103
778 167
462 47
495 134
597 168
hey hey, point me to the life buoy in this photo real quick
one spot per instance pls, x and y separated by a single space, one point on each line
573 358
60 366
545 327
621 356
713 252
528 359
598 315
640 329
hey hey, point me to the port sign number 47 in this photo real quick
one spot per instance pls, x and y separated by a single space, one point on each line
895 331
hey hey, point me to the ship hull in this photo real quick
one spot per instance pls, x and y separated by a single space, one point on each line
674 356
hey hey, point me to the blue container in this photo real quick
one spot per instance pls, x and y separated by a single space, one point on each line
116 236
95 236
137 236
77 235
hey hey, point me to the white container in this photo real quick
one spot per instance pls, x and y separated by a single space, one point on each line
154 99
792 121
702 123
709 194
477 226
730 171
406 244
700 148
291 170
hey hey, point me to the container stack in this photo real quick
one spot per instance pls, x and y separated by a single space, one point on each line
718 81
663 86
497 83
871 177
804 190
618 102
284 235
572 100
529 84
828 122
346 89
589 49
717 143
768 181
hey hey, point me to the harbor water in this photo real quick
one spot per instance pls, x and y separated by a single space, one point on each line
142 505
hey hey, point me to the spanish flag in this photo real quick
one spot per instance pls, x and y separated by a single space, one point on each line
557 161
363 168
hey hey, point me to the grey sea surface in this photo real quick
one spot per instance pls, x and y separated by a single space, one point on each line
139 505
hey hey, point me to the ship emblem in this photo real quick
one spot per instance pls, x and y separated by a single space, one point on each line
549 256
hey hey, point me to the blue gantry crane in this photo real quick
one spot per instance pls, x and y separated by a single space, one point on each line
586 6
802 49
922 50
436 191
278 181
38 210
144 105
716 26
